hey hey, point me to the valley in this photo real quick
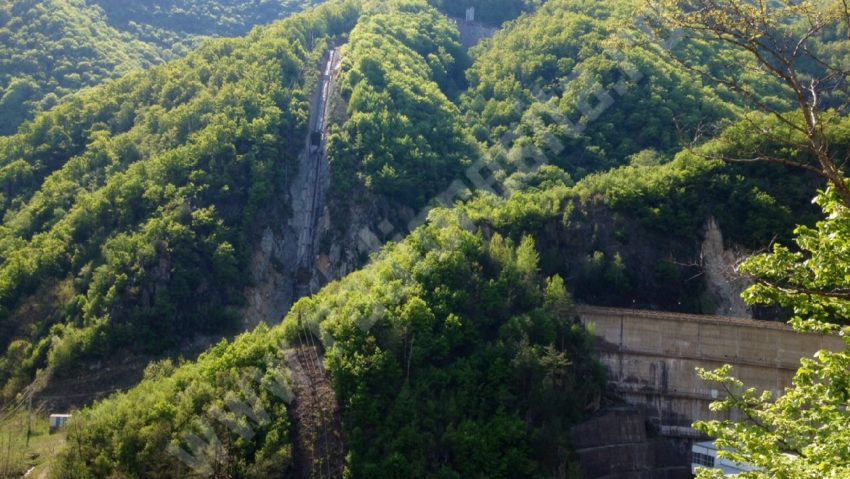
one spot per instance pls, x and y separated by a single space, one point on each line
374 239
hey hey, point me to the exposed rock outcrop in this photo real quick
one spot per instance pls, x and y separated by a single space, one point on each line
723 282
284 267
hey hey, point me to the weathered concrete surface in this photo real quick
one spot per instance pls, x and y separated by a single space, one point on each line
615 444
652 358
473 33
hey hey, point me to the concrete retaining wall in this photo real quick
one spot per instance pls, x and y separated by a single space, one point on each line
614 444
652 358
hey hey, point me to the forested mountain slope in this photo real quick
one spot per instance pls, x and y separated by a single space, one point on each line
580 88
567 74
454 314
451 355
225 18
128 210
402 138
53 48
130 213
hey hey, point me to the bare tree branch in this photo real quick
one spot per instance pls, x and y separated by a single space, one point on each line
796 290
769 159
758 29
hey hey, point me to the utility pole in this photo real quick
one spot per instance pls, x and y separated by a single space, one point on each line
29 418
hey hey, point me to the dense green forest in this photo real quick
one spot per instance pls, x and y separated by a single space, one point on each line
54 48
453 357
403 137
563 75
130 215
183 18
449 345
136 434
128 210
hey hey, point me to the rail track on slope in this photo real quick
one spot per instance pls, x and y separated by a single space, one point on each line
320 450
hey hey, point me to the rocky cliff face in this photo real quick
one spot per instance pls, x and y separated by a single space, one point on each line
309 237
723 282
272 293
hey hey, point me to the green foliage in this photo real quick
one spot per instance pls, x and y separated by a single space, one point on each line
54 48
625 237
172 25
403 137
142 193
452 346
58 47
135 434
811 278
567 80
448 345
801 435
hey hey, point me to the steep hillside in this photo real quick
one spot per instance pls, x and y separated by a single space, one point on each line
451 356
54 48
554 88
129 211
192 420
567 82
175 25
572 158
396 138
402 138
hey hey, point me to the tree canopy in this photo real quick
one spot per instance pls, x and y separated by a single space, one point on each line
128 210
403 137
52 49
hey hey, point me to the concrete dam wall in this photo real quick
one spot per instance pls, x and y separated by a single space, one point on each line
652 359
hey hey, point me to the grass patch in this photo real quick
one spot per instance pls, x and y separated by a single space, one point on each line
17 456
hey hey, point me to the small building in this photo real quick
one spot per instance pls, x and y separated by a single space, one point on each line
704 454
58 421
470 14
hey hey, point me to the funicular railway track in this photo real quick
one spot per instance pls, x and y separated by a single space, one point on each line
320 450
312 188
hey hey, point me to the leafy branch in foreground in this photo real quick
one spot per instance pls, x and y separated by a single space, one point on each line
813 279
802 434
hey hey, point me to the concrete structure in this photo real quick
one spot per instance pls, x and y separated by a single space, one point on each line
616 444
652 358
473 33
58 421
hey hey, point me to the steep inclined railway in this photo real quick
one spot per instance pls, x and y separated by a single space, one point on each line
320 451
311 183
283 266
317 426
